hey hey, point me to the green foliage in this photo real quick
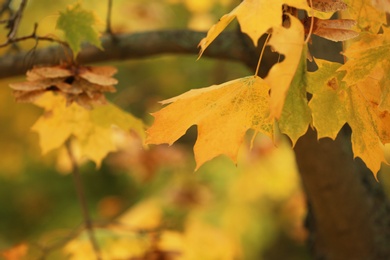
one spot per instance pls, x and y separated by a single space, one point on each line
296 115
78 26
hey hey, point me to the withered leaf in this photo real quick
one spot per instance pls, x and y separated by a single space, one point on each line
334 30
98 79
383 5
328 5
27 97
48 72
103 70
83 85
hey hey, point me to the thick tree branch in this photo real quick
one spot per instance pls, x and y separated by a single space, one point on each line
229 45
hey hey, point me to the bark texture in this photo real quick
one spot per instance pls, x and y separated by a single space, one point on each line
349 213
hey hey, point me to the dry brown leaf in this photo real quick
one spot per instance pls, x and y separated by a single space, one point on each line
49 72
27 97
334 30
83 85
328 5
383 5
98 79
103 70
33 85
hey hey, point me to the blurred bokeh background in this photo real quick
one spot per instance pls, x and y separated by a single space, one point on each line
147 202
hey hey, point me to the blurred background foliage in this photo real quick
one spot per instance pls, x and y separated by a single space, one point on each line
147 203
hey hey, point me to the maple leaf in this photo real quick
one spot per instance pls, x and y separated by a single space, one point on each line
80 84
296 115
78 26
334 103
368 18
93 130
382 5
223 114
369 58
289 42
256 17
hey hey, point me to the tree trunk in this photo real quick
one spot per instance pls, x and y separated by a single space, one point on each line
348 211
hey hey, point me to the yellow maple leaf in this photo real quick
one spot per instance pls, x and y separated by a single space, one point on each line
289 42
382 5
368 17
369 58
335 103
223 114
144 216
199 235
256 17
93 130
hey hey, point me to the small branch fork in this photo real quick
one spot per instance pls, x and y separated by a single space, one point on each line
12 24
83 202
34 36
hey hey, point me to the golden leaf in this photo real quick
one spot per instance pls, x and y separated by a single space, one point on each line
223 114
256 17
289 42
93 130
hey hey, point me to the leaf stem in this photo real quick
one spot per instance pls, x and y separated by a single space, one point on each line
83 202
311 25
261 54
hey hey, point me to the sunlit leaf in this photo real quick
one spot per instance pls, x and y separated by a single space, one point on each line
368 18
256 17
289 42
334 103
94 130
369 58
223 114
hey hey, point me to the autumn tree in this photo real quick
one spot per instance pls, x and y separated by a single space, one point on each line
333 105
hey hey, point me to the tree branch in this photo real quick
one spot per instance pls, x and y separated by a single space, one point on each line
233 46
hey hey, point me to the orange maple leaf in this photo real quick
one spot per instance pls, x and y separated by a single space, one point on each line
223 114
256 17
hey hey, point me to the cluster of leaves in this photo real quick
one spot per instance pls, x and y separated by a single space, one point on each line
77 111
355 93
279 101
225 112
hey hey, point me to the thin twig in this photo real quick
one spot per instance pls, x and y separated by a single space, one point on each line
108 21
13 25
83 202
14 21
33 36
